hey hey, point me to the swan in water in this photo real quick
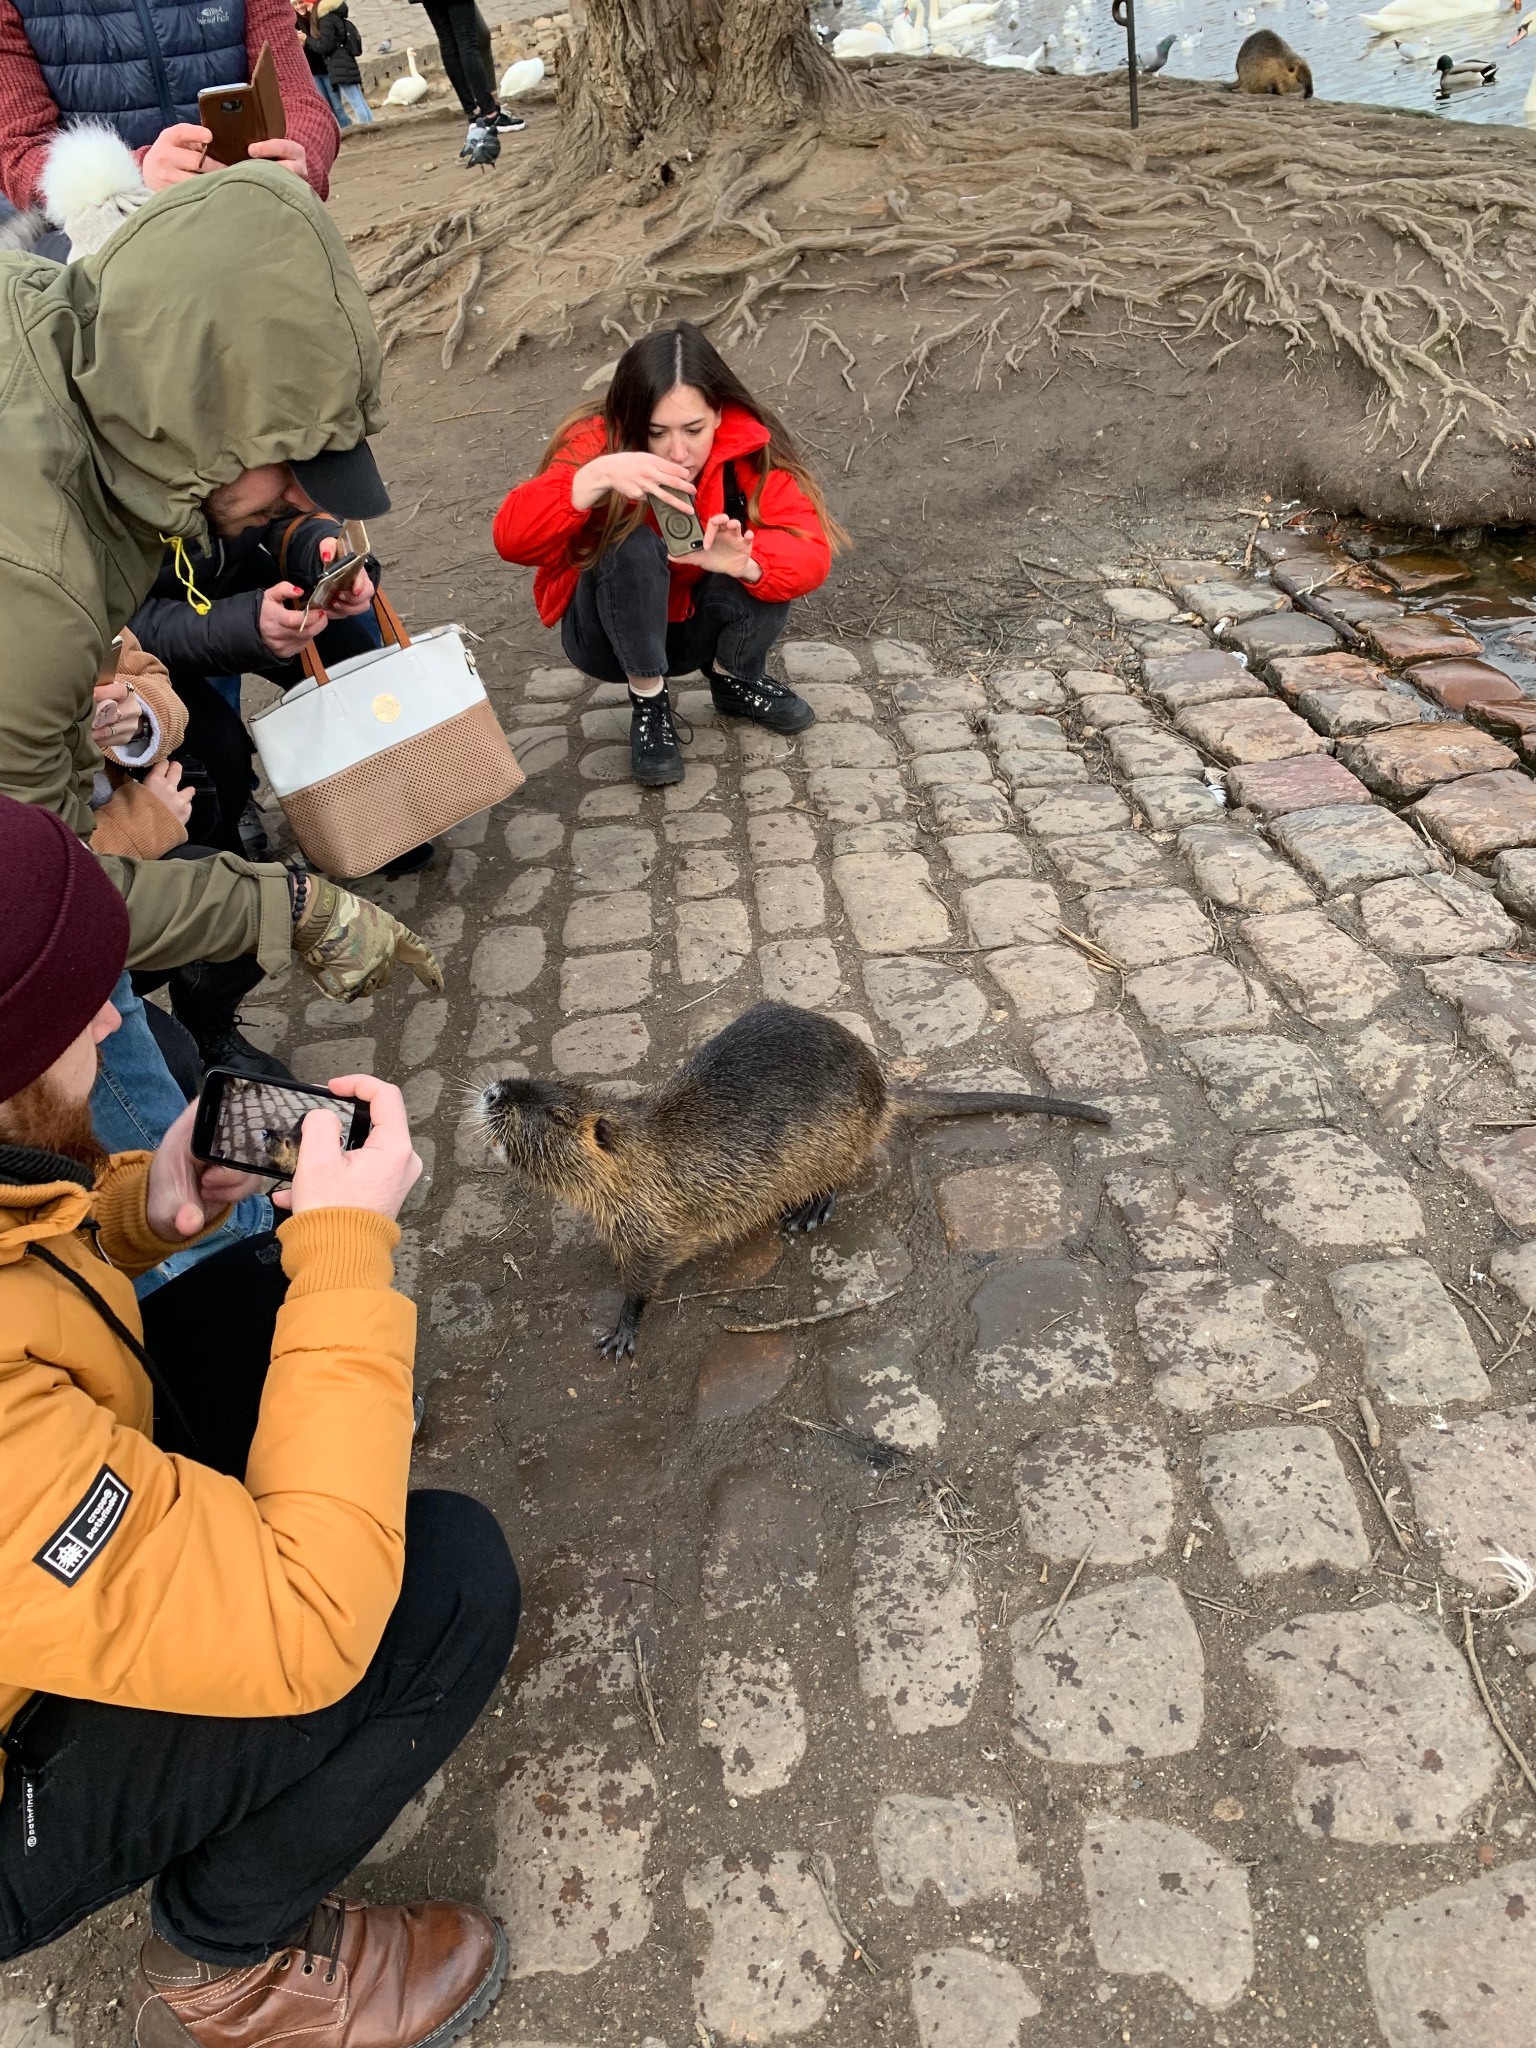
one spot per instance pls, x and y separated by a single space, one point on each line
909 39
1401 16
869 39
1519 36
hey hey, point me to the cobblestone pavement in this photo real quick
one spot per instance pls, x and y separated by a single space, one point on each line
1056 1634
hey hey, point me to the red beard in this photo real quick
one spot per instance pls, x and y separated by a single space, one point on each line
45 1119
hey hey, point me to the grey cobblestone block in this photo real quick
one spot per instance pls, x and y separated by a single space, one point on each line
961 1999
982 856
1146 927
928 1006
1118 1680
615 920
1210 1341
1199 996
750 1711
915 1624
890 902
1110 714
1345 846
937 732
1263 1084
1283 1500
1416 1348
969 765
963 1846
1091 1052
899 658
781 836
846 746
604 981
1328 1188
1092 809
573 1827
1237 871
1107 860
1170 1218
1457 1964
940 693
1250 729
1324 973
1044 981
969 807
1040 1331
1028 689
1497 1001
800 971
836 702
1095 1488
713 940
773 1949
851 796
1163 1903
532 834
1170 801
873 1389
1142 750
1010 913
599 1046
1037 770
1434 917
1474 1493
790 899
605 858
818 661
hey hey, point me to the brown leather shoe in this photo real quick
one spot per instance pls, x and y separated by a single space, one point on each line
363 1977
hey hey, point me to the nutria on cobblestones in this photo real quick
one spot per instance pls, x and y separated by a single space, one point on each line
1267 63
760 1126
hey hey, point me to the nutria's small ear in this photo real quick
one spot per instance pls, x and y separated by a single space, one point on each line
602 1134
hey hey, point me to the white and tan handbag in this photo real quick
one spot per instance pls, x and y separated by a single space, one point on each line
384 751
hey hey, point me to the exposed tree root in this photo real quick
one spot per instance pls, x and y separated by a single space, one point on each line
1331 231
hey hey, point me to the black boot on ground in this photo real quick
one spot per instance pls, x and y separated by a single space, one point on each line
761 699
654 755
205 998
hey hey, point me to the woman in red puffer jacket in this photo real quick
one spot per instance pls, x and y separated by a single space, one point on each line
678 430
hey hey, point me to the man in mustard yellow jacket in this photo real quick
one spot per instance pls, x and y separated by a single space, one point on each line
232 1646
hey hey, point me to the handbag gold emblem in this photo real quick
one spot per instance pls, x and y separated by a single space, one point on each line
385 708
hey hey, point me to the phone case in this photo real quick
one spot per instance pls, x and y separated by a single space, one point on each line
210 1101
681 532
237 115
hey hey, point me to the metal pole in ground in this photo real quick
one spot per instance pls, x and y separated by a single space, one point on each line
1124 15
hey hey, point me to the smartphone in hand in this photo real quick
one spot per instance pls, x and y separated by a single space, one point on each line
681 532
253 1124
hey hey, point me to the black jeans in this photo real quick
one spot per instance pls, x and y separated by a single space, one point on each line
454 25
246 1824
615 625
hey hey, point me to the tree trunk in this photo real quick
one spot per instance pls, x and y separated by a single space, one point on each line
648 84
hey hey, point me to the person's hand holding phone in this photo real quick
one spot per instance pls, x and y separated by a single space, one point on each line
177 152
377 1176
727 549
118 712
285 630
282 150
632 476
183 1192
352 599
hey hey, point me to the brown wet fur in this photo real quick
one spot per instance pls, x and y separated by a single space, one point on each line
1267 63
778 1110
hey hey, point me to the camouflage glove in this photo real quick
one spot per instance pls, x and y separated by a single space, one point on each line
348 946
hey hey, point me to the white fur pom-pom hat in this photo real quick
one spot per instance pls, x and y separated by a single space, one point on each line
91 184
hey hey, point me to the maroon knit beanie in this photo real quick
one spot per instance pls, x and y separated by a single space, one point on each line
63 941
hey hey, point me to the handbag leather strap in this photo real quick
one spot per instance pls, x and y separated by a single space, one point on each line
390 625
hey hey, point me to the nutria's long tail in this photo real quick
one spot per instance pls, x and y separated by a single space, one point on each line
938 1102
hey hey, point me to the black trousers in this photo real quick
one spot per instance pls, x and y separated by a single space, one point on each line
455 26
616 624
245 1825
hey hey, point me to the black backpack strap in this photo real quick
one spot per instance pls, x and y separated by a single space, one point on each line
120 1331
735 496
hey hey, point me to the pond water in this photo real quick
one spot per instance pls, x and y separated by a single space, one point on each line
1348 62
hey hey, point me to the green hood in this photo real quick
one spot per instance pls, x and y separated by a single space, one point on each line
222 328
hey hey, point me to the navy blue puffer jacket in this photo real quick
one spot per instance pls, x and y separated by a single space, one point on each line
139 64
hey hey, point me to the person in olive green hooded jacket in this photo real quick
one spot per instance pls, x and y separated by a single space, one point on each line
218 348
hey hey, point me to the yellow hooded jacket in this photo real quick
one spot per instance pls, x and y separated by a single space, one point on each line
165 1584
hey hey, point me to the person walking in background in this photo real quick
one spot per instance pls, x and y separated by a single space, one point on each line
456 24
677 425
336 41
137 71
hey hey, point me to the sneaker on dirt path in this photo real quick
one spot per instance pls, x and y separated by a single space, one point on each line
362 1977
654 755
761 699
508 124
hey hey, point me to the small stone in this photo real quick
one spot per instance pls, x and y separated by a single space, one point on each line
423 1028
604 981
1324 973
1031 689
1170 1220
523 895
1271 788
1381 1711
1107 860
1119 1679
800 971
965 807
1282 633
1423 636
818 661
1328 1188
1094 1488
1263 1084
1093 808
616 920
606 858
572 1830
1414 758
739 1373
1040 1331
961 1999
774 1948
1421 570
846 746
964 1847
854 796
1458 1966
1209 1341
1514 881
763 1545
899 658
1474 1492
781 836
532 834
600 1045
1144 927
1250 729
1343 846
915 1623
750 1711
927 1005
713 940
1284 1502
1208 677
1044 981
1458 685
873 1390
1145 607
891 903
1237 871
1504 1167
1002 1208
1434 917
1481 815
1161 1903
1091 1052
1199 995
789 898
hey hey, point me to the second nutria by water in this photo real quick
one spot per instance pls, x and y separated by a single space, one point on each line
761 1126
1267 63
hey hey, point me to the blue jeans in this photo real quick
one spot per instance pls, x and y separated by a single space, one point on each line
354 103
133 1105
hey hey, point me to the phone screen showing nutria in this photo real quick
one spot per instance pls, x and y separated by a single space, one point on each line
259 1123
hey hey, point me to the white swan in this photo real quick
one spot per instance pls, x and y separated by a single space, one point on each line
405 92
1399 17
520 77
868 40
968 16
909 38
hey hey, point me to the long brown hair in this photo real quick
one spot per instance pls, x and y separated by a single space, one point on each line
644 374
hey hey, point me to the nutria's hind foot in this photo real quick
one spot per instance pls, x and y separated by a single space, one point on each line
620 1340
810 1215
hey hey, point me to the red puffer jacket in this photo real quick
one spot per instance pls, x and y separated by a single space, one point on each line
540 527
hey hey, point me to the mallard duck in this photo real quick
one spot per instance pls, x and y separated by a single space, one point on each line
1456 77
1401 17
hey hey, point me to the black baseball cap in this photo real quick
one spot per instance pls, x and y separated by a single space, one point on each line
344 482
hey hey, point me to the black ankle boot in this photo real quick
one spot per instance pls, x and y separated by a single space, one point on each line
654 755
761 699
205 998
